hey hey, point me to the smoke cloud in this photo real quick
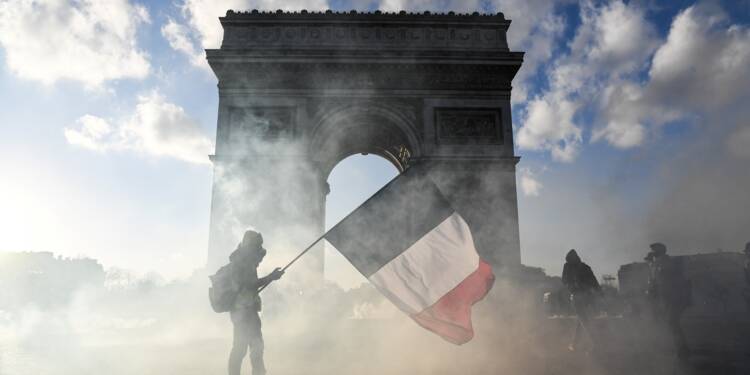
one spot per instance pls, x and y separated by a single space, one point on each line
143 325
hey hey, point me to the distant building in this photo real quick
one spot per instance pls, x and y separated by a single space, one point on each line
44 280
717 283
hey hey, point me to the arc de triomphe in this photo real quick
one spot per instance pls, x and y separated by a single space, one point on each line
299 92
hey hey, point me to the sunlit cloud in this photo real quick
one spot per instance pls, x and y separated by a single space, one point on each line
180 39
548 125
91 42
625 76
156 128
613 41
530 184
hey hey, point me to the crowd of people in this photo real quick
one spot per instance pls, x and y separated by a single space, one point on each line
669 293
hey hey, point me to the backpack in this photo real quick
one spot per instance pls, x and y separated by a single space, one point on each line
222 292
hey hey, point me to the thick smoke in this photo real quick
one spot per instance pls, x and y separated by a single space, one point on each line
144 326
702 205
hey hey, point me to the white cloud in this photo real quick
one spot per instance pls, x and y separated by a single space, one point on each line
614 37
613 49
86 41
623 128
156 128
179 39
202 29
621 134
530 185
613 42
536 28
94 133
705 59
549 125
681 82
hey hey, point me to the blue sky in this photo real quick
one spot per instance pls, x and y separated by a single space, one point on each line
630 119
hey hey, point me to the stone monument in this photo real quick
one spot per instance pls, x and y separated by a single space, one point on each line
299 92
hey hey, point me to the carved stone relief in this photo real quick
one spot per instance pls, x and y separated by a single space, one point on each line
380 76
262 122
460 126
395 36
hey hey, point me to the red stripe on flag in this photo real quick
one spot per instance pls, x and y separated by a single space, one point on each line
450 316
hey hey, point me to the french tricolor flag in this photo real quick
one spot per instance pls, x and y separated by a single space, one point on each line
418 251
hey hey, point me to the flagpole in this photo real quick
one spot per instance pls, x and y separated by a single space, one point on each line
324 234
296 258
304 251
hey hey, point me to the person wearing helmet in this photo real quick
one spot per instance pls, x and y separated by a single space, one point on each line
578 277
669 292
244 313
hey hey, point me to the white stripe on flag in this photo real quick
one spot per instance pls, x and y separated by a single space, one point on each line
430 268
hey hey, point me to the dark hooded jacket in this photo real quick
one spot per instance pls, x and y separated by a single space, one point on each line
578 276
244 264
667 282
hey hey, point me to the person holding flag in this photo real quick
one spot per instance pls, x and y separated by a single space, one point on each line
244 311
410 243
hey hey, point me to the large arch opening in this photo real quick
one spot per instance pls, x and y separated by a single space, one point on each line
358 147
351 182
367 128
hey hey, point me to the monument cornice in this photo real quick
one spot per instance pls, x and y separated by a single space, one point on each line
320 76
356 16
374 57
360 93
379 31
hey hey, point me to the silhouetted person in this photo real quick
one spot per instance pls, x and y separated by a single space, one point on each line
669 292
582 285
244 263
746 292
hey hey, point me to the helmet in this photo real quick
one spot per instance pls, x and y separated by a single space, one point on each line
251 248
658 249
252 239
